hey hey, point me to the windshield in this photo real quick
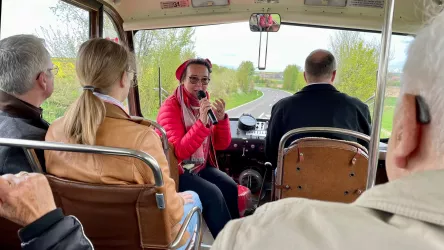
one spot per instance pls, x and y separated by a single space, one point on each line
233 50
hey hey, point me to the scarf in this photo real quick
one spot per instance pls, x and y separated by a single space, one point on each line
190 115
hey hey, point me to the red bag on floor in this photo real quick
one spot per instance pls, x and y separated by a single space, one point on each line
244 199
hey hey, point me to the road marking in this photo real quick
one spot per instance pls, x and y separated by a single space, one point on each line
261 115
271 104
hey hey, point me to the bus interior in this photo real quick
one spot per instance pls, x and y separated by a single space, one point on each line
249 66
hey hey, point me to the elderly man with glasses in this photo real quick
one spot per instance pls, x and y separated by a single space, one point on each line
26 81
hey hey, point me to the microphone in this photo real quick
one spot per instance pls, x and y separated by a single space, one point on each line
201 94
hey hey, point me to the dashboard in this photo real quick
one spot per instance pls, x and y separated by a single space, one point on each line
248 136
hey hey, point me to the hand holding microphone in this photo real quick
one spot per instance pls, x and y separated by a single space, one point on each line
205 109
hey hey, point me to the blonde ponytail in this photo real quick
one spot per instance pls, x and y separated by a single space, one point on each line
100 64
84 118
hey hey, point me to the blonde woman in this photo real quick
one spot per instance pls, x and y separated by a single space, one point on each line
98 117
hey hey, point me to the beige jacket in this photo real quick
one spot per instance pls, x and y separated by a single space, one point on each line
117 130
406 214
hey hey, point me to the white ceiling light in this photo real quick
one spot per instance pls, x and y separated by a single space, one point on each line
209 3
335 3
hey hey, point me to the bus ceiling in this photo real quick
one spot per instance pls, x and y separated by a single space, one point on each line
351 14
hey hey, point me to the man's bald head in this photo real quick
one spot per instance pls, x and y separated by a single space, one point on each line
320 66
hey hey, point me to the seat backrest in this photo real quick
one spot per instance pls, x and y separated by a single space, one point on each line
167 146
114 216
173 164
322 169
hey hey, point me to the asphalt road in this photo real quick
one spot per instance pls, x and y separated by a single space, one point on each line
261 107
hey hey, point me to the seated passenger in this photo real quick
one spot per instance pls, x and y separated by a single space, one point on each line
195 140
98 117
405 213
318 104
26 81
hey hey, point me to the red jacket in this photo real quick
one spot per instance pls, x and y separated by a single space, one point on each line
186 143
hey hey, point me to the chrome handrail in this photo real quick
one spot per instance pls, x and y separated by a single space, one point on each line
182 230
56 146
371 174
380 89
164 137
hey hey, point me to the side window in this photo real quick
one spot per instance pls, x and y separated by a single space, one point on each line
398 56
64 28
159 53
109 29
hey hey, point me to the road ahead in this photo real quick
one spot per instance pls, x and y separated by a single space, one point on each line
261 107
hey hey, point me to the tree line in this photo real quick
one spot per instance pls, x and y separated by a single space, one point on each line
357 65
161 50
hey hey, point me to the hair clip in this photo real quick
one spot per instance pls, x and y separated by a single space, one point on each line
89 88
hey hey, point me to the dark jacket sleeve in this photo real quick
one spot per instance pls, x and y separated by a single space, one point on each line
365 125
54 231
274 134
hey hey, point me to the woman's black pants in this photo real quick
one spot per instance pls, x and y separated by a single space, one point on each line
217 192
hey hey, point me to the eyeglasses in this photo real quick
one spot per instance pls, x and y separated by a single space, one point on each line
195 80
55 70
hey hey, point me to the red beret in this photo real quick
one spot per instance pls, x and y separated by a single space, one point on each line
183 66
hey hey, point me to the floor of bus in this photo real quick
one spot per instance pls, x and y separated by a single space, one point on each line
207 238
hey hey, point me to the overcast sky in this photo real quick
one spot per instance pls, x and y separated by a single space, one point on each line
226 44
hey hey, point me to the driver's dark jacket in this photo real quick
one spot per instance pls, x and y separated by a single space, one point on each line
54 231
19 120
316 105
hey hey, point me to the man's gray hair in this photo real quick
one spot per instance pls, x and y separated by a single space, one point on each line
320 64
423 75
22 58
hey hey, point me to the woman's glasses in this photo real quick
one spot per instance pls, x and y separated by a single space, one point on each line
195 80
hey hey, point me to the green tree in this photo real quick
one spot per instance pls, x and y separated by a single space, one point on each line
291 74
165 49
223 82
357 64
162 50
64 39
245 74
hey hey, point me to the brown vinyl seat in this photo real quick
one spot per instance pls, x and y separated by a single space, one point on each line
172 162
113 216
322 169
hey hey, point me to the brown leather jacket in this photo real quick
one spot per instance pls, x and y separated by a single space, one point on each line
117 130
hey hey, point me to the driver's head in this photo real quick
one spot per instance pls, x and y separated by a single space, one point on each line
320 67
414 145
194 74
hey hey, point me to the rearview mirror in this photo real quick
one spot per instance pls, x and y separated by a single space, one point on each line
265 22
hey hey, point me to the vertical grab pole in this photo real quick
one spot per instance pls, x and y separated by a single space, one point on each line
380 92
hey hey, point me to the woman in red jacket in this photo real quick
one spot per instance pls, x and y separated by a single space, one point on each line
195 140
